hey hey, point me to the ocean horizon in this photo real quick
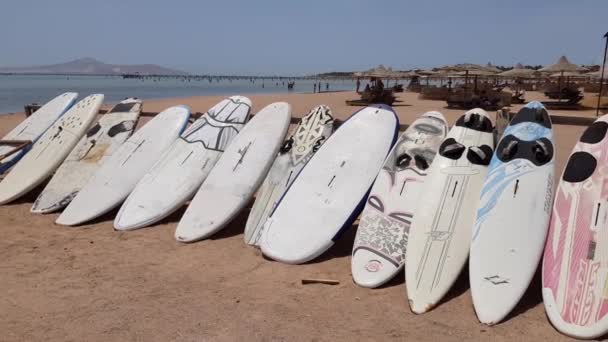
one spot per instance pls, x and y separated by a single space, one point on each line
18 90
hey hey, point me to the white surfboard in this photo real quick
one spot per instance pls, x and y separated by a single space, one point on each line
575 261
440 234
177 177
513 215
237 175
50 150
115 179
329 193
312 131
97 145
382 235
34 126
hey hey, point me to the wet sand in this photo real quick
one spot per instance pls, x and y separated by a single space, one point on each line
92 283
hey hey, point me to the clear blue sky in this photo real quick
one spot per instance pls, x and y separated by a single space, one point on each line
298 37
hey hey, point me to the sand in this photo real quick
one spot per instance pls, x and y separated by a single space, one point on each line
92 283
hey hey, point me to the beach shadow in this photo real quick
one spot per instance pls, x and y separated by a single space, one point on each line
460 286
531 298
174 217
403 127
398 280
109 216
31 196
343 247
572 120
236 225
366 104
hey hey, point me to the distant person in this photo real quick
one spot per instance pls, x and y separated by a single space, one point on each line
327 86
358 85
314 88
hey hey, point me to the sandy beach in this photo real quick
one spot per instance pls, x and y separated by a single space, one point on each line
95 284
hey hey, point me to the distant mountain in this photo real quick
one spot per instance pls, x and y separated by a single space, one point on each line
91 66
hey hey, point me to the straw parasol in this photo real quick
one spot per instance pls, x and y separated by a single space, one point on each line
566 74
379 72
519 71
562 66
383 72
404 74
468 69
464 67
421 72
474 73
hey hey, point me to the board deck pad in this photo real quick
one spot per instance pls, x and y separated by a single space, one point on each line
179 174
100 141
382 235
237 175
513 215
575 263
308 136
117 176
330 191
440 234
34 126
50 149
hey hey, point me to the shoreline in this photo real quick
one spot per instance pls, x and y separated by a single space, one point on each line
177 99
21 90
199 100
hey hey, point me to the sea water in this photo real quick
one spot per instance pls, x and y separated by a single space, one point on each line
19 90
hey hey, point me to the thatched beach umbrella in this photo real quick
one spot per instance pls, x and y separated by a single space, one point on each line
379 72
474 73
406 74
566 74
421 72
468 69
562 66
519 72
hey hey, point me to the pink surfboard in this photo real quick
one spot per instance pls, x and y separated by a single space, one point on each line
575 264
